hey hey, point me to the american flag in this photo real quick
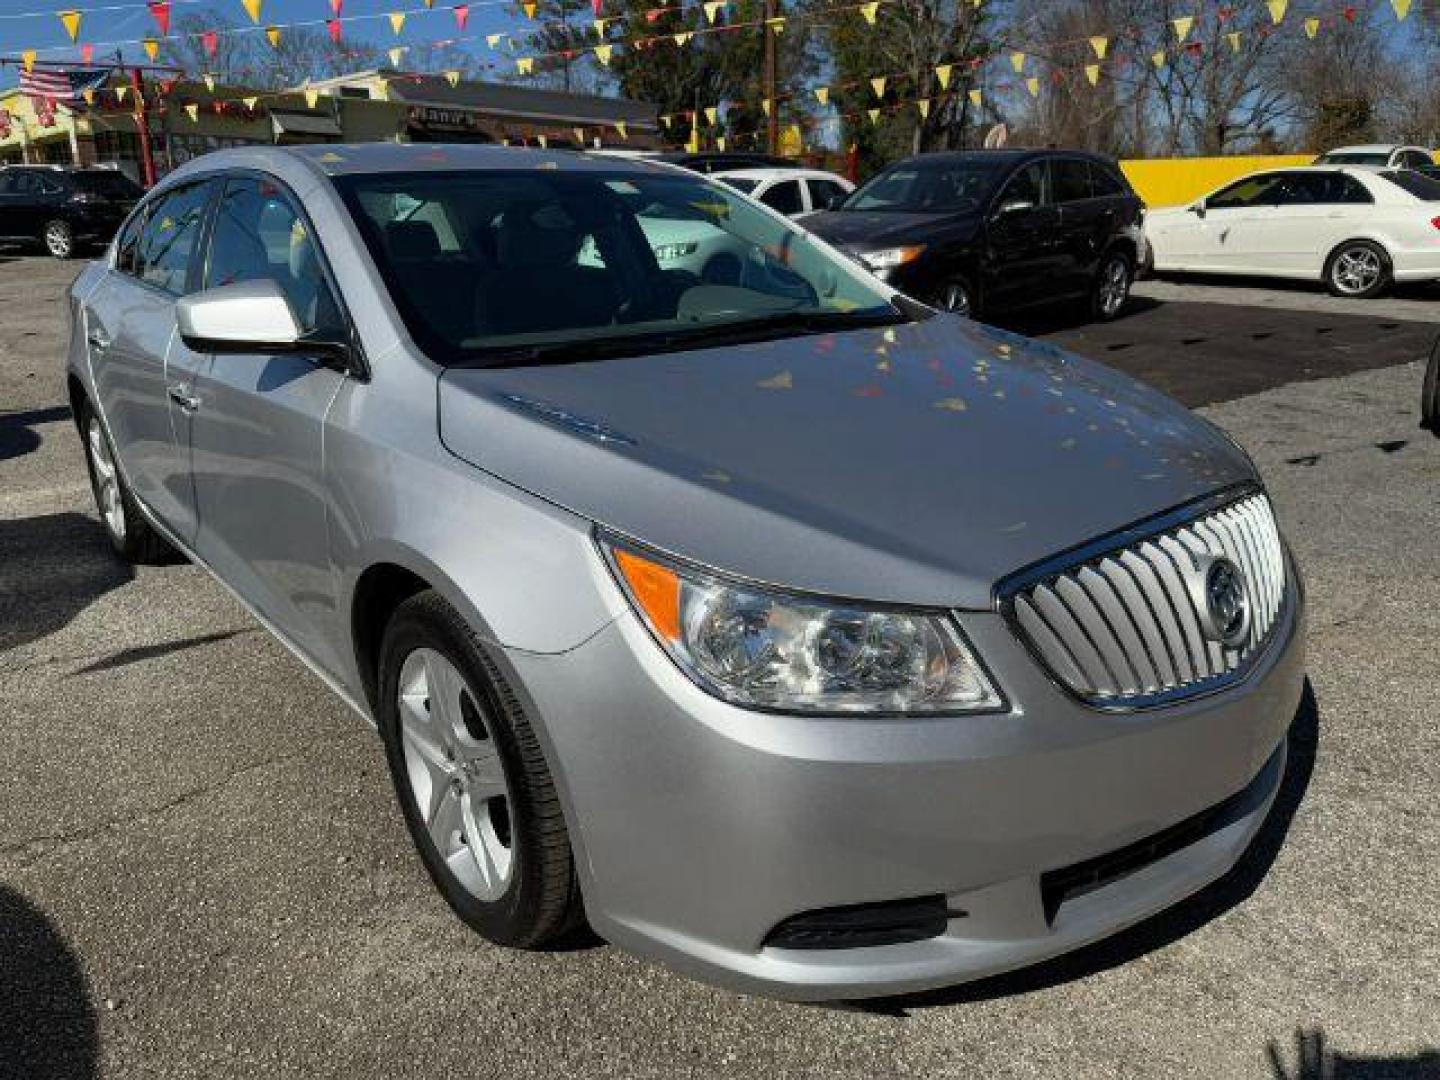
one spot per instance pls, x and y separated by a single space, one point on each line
61 84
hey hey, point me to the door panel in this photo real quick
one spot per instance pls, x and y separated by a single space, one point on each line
1315 211
1024 246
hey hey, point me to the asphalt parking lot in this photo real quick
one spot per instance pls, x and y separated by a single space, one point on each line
203 872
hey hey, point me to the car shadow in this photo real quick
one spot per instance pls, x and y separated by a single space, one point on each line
52 568
1314 1060
1164 928
1409 290
17 434
48 1029
1053 318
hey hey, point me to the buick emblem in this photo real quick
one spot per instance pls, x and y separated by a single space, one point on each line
1221 600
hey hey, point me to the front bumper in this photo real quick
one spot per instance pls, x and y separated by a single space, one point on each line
700 827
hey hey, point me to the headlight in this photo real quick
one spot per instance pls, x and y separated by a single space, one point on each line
758 648
889 258
671 252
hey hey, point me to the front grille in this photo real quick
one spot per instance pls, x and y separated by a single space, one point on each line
1120 627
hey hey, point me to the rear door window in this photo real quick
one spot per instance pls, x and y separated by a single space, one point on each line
1071 179
1029 185
825 193
1104 182
783 197
171 236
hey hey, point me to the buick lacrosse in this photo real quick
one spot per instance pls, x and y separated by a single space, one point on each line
792 633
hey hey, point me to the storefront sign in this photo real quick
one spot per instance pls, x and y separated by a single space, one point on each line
432 118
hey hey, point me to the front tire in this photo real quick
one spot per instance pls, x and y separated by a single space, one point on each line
132 537
1358 269
472 781
1430 393
59 239
1112 286
956 297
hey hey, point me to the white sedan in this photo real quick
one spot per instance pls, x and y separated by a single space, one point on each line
792 192
1355 229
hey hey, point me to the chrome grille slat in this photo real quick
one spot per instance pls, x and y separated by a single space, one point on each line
1119 627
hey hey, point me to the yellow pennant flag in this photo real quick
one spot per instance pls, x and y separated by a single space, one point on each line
71 21
924 106
382 89
1033 85
529 7
544 142
27 59
870 11
712 9
525 65
272 35
209 83
252 8
976 98
152 47
720 143
1182 26
1092 73
397 22
250 102
874 115
396 55
603 53
1277 10
711 112
878 86
682 39
1017 61
1312 27
693 142
666 119
766 105
193 111
120 92
822 95
1158 58
453 78
1101 45
622 129
776 25
89 96
942 72
312 97
1234 38
579 136
493 39
1402 8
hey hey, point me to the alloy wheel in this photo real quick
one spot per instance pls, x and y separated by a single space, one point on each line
455 775
58 239
107 480
1357 270
954 298
1114 286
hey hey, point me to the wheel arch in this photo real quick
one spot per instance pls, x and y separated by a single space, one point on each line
1358 238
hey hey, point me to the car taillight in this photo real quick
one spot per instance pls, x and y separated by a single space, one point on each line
1435 221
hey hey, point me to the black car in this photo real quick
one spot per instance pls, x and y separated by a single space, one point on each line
988 230
63 209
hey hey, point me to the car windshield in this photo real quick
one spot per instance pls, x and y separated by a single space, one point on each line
112 184
1354 157
506 267
1416 183
929 187
745 184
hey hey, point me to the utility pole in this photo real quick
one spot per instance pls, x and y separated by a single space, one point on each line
772 122
142 127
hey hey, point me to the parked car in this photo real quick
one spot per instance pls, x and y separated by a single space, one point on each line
63 209
983 231
792 192
1379 156
1430 393
795 634
1355 229
713 161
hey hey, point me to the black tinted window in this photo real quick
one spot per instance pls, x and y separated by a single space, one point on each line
1417 184
1026 186
783 197
1414 159
1071 180
1252 191
944 185
825 193
167 243
19 182
259 236
1319 188
1104 182
128 244
112 185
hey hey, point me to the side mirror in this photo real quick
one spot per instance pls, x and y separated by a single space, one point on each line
1198 208
1013 207
836 202
247 317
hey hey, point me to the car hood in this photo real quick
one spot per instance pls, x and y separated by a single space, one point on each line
914 464
864 229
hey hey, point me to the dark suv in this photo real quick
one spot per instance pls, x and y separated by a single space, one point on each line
63 209
988 230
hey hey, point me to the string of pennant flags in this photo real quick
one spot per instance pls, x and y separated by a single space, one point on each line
1106 53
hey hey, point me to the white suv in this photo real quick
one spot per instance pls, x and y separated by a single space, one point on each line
792 192
1380 156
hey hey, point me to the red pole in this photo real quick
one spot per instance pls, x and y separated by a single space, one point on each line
142 126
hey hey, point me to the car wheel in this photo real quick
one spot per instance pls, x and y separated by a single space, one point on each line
956 297
1430 392
1358 268
1112 286
472 781
133 538
59 239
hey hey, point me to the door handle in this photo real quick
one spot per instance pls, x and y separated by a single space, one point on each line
180 394
98 339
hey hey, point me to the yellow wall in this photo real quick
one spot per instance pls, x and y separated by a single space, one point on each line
1176 181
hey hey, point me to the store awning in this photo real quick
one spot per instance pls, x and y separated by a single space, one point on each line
294 123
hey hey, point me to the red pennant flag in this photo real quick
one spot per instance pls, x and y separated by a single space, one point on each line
167 85
595 6
211 42
462 15
87 53
336 6
160 12
653 13
1350 14
1224 14
333 25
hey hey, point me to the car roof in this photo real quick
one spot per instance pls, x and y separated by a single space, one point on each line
1371 148
773 173
1010 155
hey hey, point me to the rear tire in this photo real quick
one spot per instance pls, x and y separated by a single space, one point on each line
131 535
473 784
59 239
1359 269
1112 284
1430 393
